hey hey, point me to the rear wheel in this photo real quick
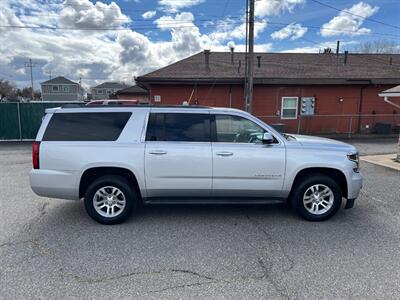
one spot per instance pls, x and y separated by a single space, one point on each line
110 199
316 198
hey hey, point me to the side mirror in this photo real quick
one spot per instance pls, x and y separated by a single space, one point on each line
267 138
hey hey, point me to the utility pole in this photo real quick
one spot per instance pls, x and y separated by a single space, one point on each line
249 92
30 65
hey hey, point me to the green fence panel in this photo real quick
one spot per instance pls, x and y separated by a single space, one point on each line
9 124
31 117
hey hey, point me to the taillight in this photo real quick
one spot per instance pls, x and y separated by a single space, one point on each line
35 154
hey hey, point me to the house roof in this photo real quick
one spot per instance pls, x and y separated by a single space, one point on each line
59 80
133 90
111 85
278 68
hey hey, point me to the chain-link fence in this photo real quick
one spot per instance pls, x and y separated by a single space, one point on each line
337 124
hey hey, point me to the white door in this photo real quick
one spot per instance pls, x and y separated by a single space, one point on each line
178 159
242 165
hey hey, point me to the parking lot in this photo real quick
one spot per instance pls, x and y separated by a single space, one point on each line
52 249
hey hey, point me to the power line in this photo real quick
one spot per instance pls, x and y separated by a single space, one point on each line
179 24
356 15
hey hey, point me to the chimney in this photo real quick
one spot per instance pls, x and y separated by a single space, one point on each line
345 56
232 54
258 60
337 47
207 59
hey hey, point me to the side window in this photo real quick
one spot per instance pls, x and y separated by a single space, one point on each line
104 126
178 127
234 129
289 108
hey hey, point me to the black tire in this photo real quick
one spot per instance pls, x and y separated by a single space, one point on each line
303 185
111 181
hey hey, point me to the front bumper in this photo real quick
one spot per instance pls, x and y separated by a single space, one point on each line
354 185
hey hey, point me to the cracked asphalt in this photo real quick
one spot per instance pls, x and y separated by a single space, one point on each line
52 249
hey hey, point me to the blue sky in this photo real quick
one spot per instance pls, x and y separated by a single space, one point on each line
106 40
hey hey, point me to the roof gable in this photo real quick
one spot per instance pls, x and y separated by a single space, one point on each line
59 80
111 85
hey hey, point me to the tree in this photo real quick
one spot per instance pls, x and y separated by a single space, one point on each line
7 89
378 46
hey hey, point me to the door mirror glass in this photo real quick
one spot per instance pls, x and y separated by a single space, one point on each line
267 138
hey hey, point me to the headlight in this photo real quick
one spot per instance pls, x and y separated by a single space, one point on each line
354 158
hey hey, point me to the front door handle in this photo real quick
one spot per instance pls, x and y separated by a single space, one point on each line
224 153
158 152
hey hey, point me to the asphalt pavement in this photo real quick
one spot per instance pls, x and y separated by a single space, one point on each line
51 249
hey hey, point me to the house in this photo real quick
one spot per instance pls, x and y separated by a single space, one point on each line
310 93
133 92
104 90
61 89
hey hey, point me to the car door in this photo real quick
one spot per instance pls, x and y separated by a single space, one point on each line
242 165
178 159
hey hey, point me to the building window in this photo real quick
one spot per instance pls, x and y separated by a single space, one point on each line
55 88
66 88
108 92
157 98
289 107
99 92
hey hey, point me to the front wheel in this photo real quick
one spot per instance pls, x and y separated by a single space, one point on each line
110 199
316 198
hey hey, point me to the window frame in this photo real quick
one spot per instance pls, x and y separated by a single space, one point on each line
283 108
207 126
55 88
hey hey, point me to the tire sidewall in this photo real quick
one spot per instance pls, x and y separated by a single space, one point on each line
118 182
301 188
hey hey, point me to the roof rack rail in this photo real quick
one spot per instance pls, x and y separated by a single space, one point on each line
133 105
70 105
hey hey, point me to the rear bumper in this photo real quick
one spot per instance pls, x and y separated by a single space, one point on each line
354 185
54 184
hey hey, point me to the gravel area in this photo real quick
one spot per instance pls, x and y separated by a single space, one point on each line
51 249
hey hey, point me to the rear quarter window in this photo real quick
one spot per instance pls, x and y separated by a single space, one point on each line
103 126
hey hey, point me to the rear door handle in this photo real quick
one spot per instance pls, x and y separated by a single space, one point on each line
158 152
224 153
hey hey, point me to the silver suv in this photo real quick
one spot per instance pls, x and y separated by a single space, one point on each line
118 157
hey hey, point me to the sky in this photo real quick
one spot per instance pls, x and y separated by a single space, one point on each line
117 40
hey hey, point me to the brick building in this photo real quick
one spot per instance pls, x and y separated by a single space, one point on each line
343 88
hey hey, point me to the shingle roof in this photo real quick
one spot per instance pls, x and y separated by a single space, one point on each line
111 85
133 90
59 80
282 67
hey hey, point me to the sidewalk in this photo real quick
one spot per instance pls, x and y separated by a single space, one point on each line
385 160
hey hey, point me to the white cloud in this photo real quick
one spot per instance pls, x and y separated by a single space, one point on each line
292 31
349 21
231 29
85 14
264 8
149 14
175 5
317 48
